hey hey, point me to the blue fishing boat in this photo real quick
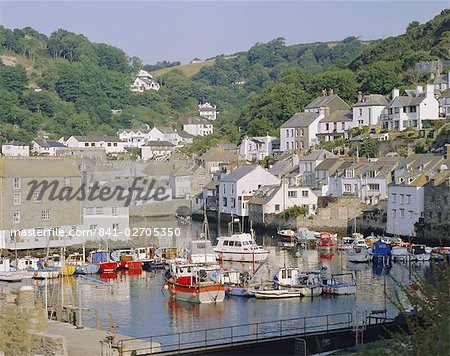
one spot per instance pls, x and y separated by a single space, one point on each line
381 252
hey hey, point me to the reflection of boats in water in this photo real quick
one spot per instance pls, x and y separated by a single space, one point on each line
327 256
105 276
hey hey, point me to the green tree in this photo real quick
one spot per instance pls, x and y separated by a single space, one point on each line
369 148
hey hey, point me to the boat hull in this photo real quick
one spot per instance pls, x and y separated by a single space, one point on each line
277 294
237 291
44 273
198 294
359 258
86 269
107 267
421 257
339 289
66 270
130 265
242 257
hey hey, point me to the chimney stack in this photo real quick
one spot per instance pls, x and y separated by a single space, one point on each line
429 90
395 93
360 96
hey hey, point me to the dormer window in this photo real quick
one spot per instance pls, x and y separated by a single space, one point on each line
372 174
349 173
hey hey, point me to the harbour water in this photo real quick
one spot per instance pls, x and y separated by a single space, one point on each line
140 306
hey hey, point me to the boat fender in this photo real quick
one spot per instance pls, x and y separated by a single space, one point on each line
126 265
35 274
166 286
173 292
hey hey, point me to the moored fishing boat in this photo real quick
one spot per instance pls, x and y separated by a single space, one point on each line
102 259
359 255
9 275
81 266
340 284
277 293
346 243
150 258
240 248
126 259
381 252
286 235
35 268
307 283
192 283
55 261
236 283
326 242
419 253
400 253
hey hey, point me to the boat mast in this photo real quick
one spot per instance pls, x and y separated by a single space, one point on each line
205 228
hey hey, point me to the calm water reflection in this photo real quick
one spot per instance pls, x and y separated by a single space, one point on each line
140 306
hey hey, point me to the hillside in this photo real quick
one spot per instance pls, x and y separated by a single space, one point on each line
187 69
256 90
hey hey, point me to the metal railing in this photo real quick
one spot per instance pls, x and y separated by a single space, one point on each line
229 335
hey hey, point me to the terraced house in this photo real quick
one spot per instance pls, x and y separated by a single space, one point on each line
28 220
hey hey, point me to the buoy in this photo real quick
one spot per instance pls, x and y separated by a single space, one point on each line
173 292
35 274
126 265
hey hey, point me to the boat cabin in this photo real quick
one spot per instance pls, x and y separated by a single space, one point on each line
201 251
237 242
75 259
418 249
97 257
168 252
27 263
191 274
145 253
4 265
381 248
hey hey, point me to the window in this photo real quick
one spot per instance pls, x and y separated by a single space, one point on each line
225 243
16 217
349 173
238 244
17 198
347 188
372 174
394 213
99 211
67 181
402 199
402 213
114 211
411 214
86 144
89 211
93 227
225 203
408 198
36 197
305 193
92 144
231 243
45 214
404 109
115 144
115 227
16 184
277 207
374 187
327 127
360 112
109 144
394 198
412 109
292 194
233 202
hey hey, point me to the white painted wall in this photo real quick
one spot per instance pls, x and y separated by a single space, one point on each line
13 150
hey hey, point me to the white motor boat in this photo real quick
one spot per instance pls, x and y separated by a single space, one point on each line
8 275
400 253
239 248
277 293
340 284
419 253
201 251
359 255
346 243
307 283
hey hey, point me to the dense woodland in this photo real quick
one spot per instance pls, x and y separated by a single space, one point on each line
82 81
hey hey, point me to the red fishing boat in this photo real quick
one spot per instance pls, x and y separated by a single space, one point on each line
126 259
192 283
103 260
326 242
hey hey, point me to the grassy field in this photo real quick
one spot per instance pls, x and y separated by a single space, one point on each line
188 69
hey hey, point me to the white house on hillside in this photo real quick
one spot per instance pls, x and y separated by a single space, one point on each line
157 150
273 199
207 111
411 109
367 111
238 187
256 148
198 126
16 148
109 144
406 203
144 81
46 147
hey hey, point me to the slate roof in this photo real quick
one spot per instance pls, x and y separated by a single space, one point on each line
44 143
407 100
301 119
159 143
184 134
330 164
264 194
16 143
333 102
216 154
317 154
338 116
372 100
281 167
36 167
165 129
238 173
